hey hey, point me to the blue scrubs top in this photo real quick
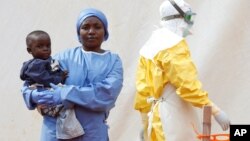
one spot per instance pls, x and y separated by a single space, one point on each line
92 87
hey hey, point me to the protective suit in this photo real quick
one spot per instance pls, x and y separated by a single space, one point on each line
94 82
167 84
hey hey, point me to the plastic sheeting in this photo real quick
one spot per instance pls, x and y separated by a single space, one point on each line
220 48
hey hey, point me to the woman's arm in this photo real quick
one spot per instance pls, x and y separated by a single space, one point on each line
182 73
33 97
143 89
27 97
99 96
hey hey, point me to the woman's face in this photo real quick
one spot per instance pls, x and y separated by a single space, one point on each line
92 34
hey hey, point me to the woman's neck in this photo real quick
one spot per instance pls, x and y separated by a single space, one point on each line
97 50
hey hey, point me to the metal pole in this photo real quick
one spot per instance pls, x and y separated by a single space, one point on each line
207 112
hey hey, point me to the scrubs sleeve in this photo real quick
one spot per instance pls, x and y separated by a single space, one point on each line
142 88
27 97
99 96
182 74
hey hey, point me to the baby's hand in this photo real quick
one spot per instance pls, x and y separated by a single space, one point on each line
40 106
65 75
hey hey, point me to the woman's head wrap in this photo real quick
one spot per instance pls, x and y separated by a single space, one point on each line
90 12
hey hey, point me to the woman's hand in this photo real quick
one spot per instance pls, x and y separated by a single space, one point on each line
56 94
41 97
47 97
223 120
221 117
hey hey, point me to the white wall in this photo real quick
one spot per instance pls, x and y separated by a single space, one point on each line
220 49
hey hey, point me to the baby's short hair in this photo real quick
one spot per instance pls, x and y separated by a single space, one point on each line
34 33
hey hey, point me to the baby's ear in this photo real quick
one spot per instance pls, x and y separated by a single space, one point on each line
29 50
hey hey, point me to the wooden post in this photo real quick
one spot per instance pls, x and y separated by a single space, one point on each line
207 112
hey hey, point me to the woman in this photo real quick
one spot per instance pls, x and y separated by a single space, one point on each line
94 81
166 80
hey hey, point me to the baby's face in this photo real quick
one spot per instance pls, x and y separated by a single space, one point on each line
40 47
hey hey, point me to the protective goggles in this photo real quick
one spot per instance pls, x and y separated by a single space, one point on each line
188 16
